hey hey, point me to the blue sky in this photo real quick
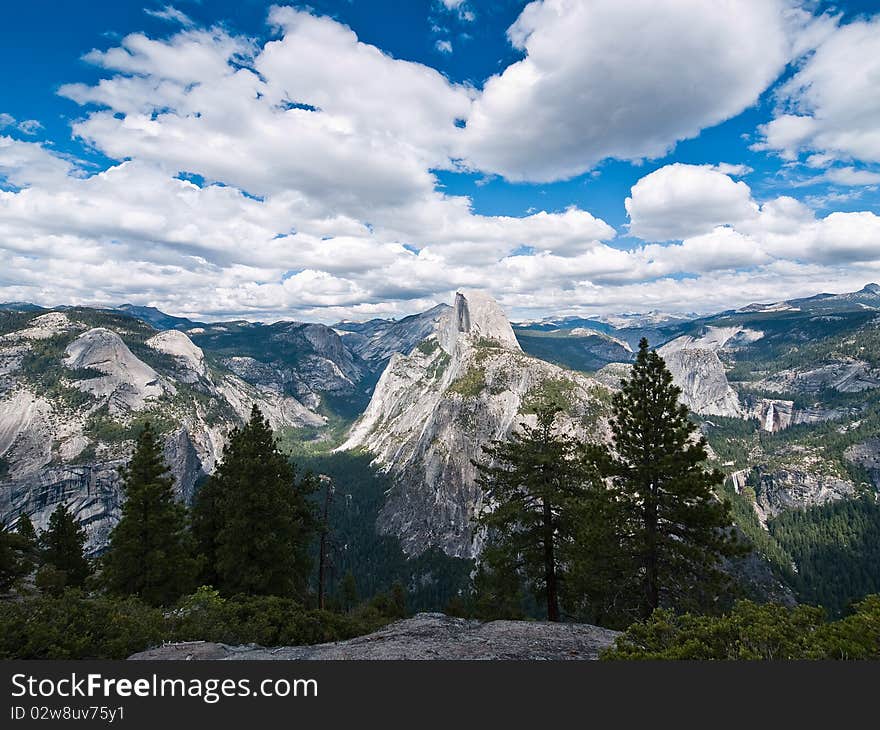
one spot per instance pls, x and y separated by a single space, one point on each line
357 159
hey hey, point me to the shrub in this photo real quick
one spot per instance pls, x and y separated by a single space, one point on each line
752 631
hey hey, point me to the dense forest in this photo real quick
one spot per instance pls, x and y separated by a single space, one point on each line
835 549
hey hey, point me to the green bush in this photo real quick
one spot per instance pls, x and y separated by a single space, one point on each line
73 626
753 631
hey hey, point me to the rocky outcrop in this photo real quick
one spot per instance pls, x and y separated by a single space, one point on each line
189 358
698 370
127 383
60 445
795 488
377 340
433 410
867 455
774 415
701 376
424 636
90 491
843 375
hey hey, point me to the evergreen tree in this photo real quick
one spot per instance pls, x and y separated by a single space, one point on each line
348 594
497 590
255 519
530 483
675 530
30 548
25 528
62 547
14 561
151 553
206 521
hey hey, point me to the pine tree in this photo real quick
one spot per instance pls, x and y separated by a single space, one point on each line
206 521
30 548
677 531
255 518
14 561
530 483
348 594
151 553
62 547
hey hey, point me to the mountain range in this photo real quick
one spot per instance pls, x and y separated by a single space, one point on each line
787 394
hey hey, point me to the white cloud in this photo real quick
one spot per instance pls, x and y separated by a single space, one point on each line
27 163
607 79
679 201
832 104
171 14
26 126
721 226
443 46
359 133
320 202
460 8
852 176
29 126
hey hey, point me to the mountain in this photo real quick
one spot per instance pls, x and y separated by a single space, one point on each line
74 387
377 340
787 394
578 348
465 384
157 318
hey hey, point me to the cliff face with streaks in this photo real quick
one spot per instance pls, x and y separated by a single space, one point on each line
432 411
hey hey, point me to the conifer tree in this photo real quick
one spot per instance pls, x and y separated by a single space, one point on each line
255 518
62 547
14 562
151 552
530 483
348 594
30 544
676 530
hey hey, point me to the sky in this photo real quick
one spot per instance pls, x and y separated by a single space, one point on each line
348 160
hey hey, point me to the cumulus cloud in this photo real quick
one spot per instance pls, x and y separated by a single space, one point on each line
259 180
831 106
679 201
721 226
607 79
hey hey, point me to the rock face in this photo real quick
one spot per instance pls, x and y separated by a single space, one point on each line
433 410
774 415
68 414
697 369
796 488
424 636
127 383
867 455
844 376
189 358
377 340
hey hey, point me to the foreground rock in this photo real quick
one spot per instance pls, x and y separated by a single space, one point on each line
424 636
